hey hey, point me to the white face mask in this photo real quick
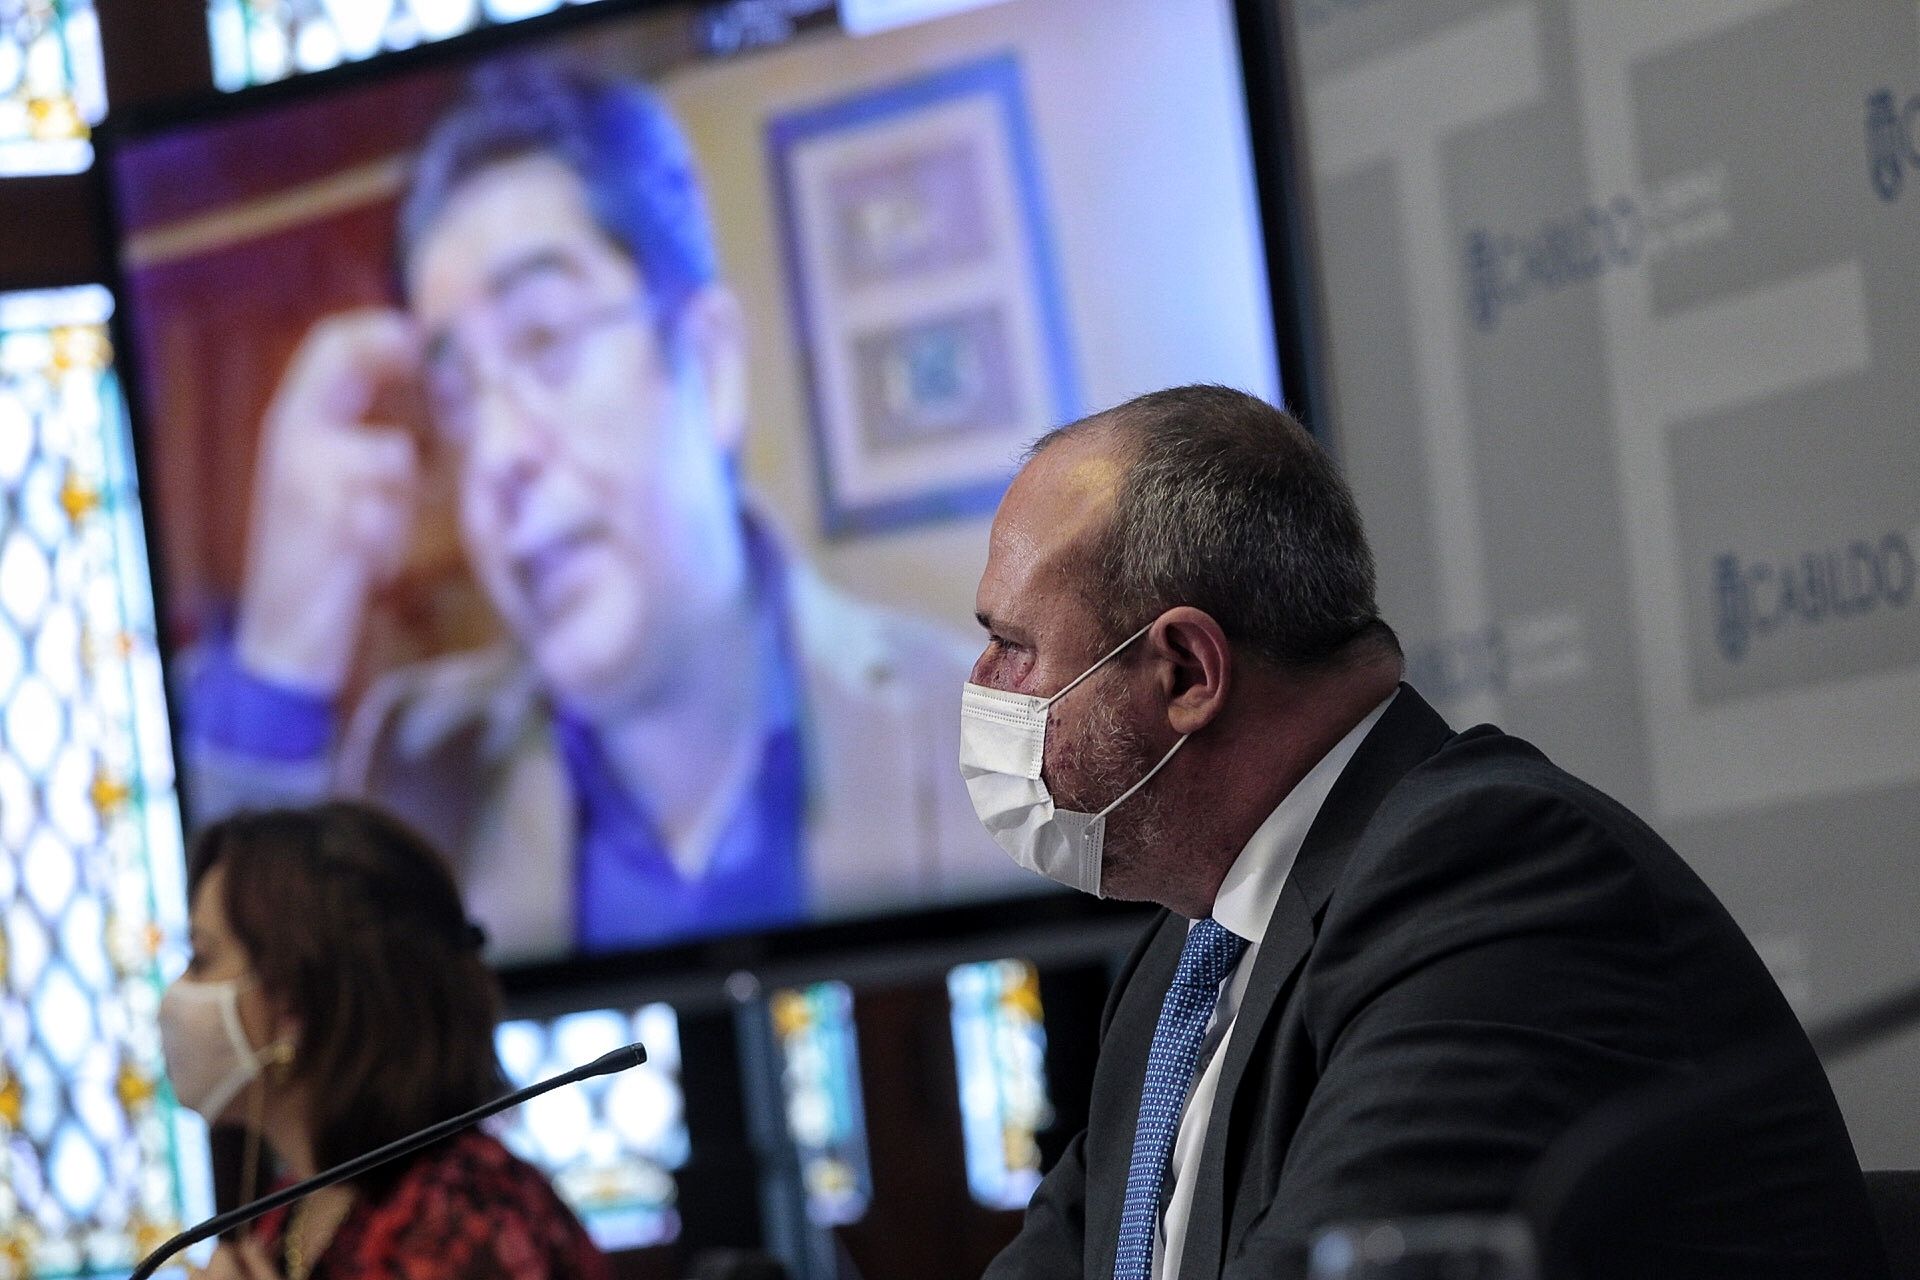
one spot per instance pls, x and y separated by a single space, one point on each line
208 1057
1003 739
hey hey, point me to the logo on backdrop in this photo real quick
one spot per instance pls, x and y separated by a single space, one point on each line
1893 127
1460 665
1519 654
1760 598
1504 269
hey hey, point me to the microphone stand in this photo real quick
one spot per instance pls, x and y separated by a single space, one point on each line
1866 1024
619 1060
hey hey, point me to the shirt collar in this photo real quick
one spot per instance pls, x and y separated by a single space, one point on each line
592 775
1251 890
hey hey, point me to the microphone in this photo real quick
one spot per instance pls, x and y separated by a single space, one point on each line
620 1059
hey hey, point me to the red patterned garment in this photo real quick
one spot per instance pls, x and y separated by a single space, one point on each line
466 1209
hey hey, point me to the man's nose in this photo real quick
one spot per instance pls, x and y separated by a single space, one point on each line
511 441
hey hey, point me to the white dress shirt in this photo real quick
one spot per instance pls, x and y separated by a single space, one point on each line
1244 905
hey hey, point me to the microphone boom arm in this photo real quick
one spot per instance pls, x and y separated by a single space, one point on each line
619 1060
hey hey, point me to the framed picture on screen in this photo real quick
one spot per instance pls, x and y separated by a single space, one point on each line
924 287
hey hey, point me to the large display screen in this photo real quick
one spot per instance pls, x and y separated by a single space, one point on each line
585 446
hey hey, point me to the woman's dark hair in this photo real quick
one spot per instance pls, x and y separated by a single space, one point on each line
353 925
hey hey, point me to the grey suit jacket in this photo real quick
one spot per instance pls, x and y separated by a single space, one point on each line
1473 950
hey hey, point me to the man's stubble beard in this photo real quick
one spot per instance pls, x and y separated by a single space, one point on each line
1111 756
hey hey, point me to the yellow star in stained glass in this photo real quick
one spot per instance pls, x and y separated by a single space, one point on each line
78 498
1023 998
13 1101
118 647
791 1013
16 1247
147 1234
81 346
109 794
1019 1149
54 118
135 1087
830 1176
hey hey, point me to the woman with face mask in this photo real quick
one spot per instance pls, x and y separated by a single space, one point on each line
336 1000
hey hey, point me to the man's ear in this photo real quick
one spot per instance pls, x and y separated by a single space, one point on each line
712 334
1196 666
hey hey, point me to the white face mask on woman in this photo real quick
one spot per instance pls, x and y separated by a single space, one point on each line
209 1059
1003 740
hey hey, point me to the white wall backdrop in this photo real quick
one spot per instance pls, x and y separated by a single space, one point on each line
1623 312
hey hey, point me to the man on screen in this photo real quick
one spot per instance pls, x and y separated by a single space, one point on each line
689 732
1397 962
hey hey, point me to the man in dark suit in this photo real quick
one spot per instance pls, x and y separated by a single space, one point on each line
1396 962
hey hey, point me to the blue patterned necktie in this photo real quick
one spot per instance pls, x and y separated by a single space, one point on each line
1209 955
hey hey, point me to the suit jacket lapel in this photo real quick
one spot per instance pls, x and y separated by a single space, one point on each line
1408 733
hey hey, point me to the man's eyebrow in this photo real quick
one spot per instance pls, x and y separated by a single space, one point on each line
997 626
515 273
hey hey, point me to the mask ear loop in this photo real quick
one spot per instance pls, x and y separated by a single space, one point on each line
277 1054
1124 795
1111 655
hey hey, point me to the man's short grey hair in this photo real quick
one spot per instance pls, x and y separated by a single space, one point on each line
1229 505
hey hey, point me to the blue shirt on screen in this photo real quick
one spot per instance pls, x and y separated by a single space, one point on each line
627 889
629 892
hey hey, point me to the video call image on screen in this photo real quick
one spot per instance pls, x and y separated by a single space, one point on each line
587 450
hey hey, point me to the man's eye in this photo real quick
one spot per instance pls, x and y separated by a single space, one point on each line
549 351
536 342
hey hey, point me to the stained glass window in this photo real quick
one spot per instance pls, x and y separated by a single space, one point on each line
1000 1049
820 1079
97 1162
53 86
611 1143
255 41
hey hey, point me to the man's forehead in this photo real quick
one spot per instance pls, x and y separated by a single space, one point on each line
1056 509
512 218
